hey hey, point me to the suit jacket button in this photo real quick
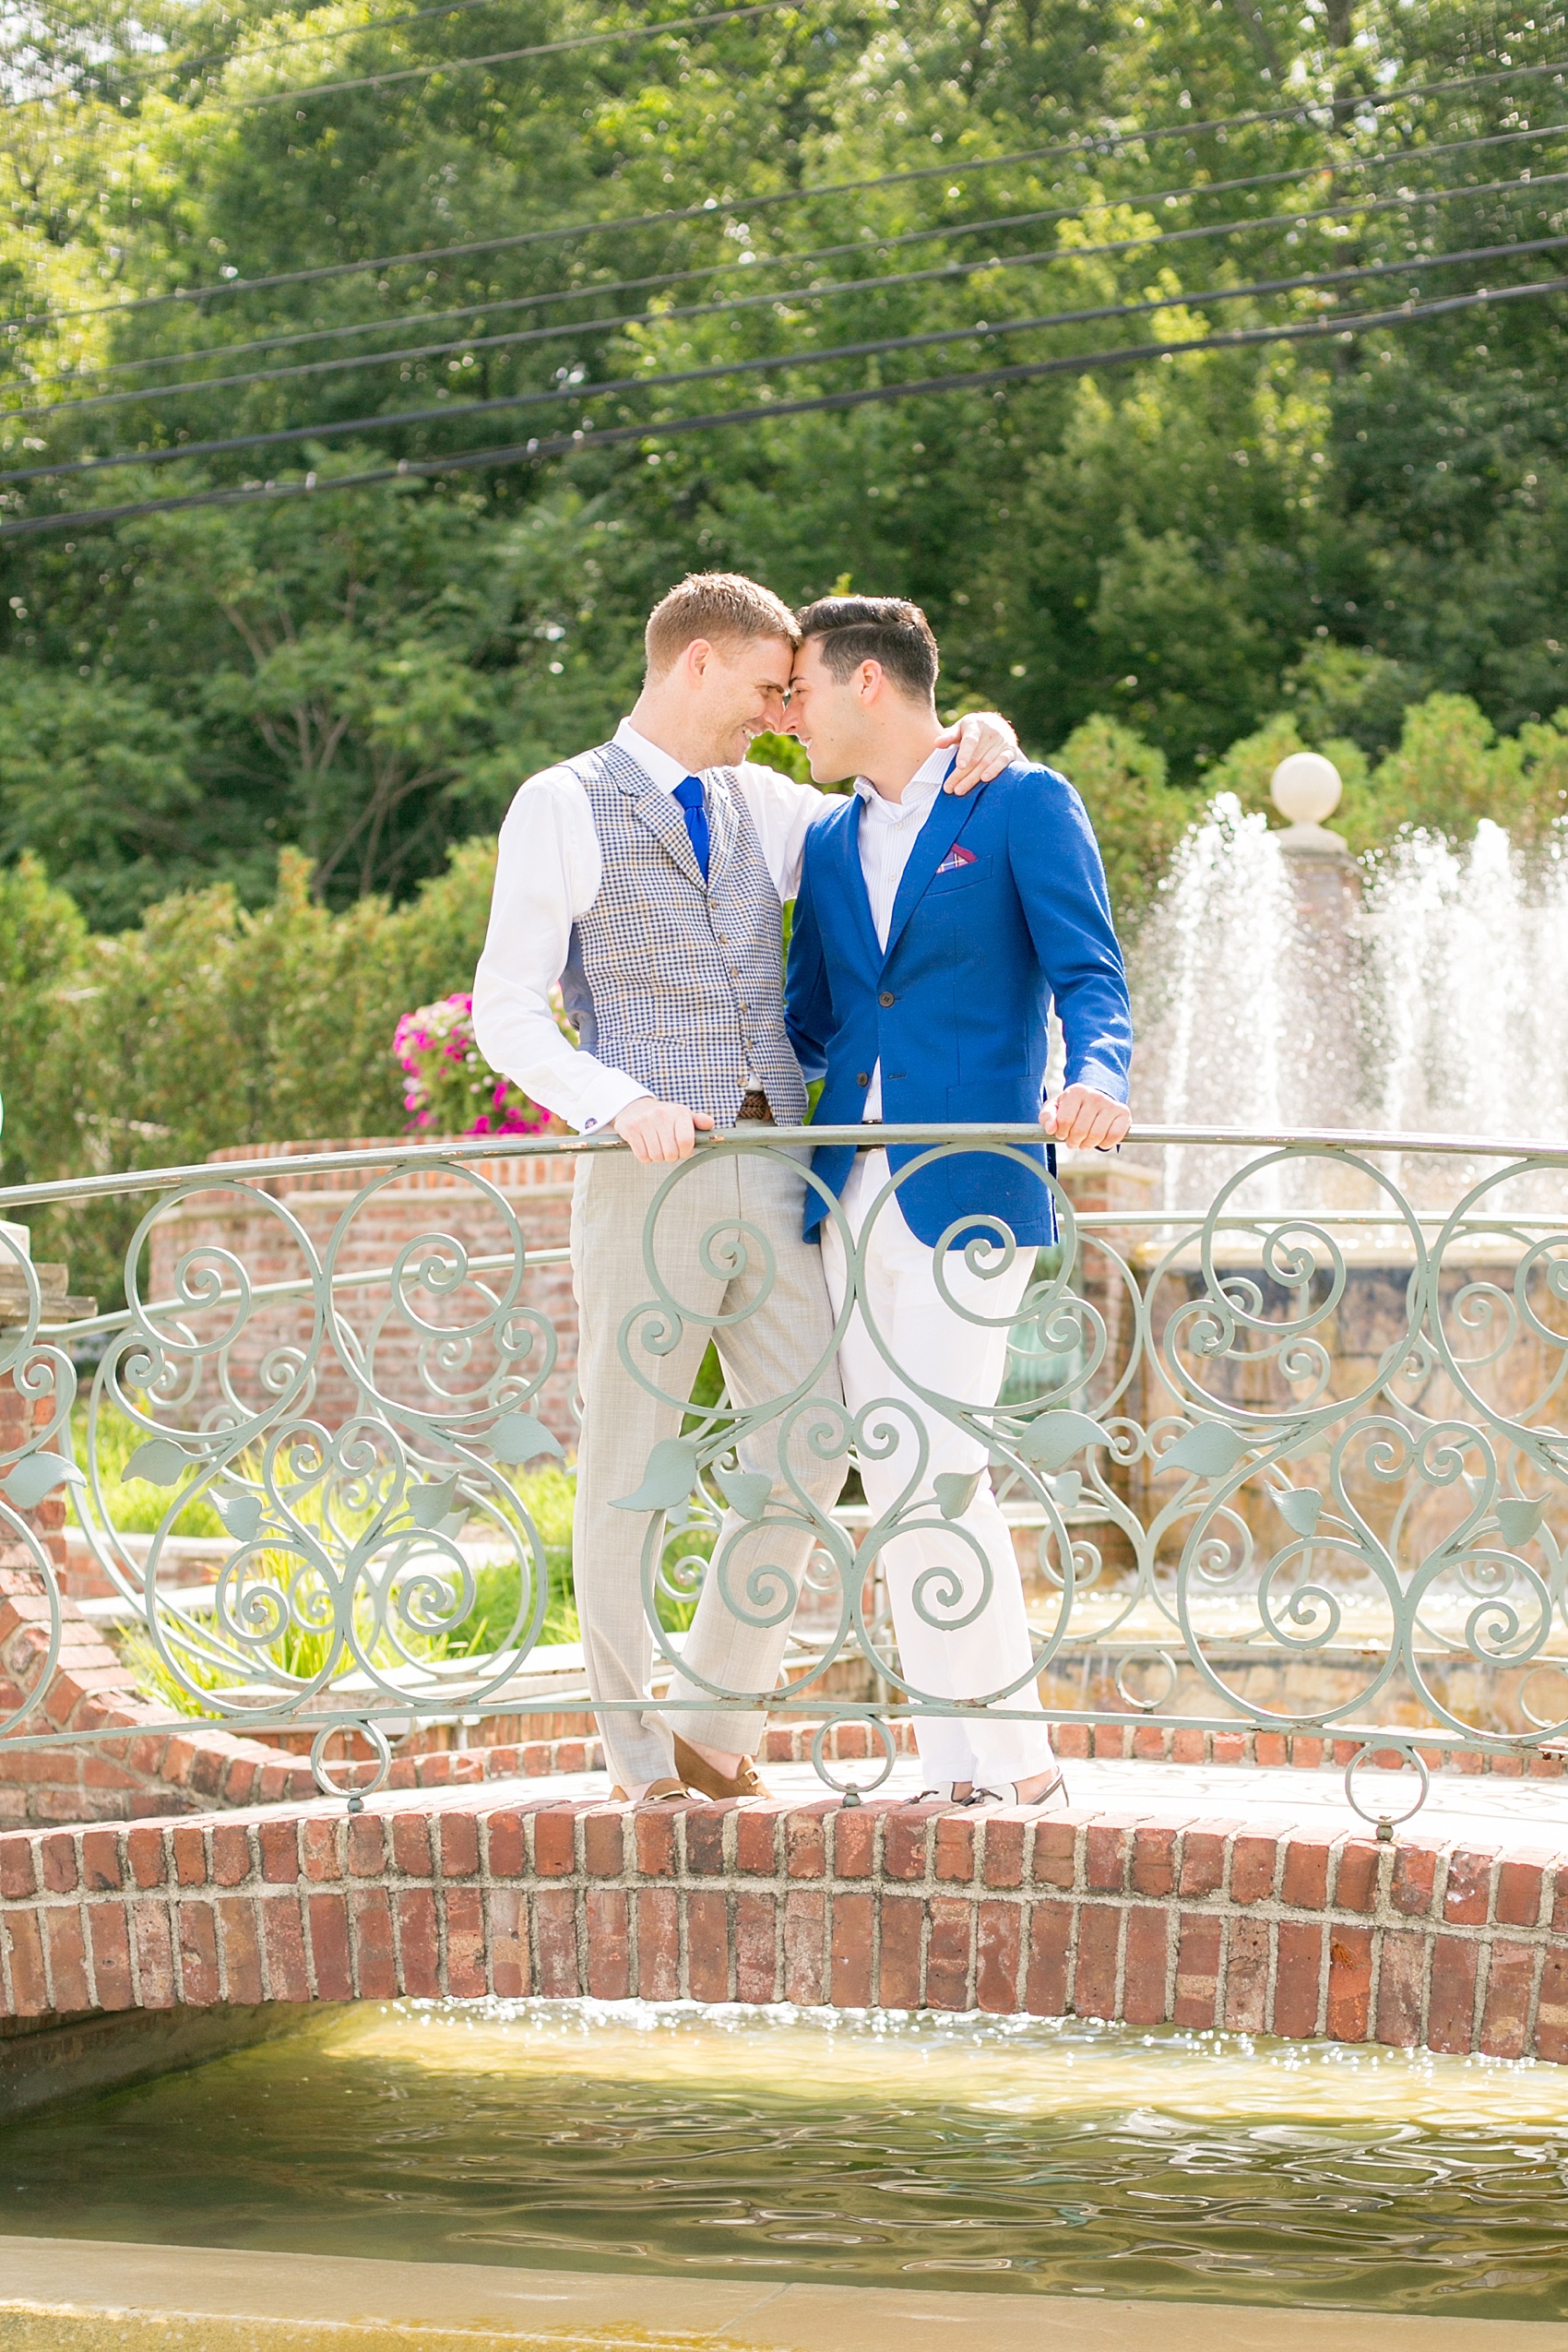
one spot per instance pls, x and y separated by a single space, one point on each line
888 997
863 1078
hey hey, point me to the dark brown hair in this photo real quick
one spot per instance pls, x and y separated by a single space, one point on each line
852 629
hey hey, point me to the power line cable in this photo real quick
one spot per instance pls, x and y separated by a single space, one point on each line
1343 327
768 363
711 269
394 417
717 209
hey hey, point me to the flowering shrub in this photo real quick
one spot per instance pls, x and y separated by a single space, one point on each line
447 1083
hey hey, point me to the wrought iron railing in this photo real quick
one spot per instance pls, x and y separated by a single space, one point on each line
1294 1460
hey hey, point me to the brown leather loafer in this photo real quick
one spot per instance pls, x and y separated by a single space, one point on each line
708 1781
658 1792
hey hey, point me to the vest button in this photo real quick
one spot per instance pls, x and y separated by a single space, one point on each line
888 997
863 1078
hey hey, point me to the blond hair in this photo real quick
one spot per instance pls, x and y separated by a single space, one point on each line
721 606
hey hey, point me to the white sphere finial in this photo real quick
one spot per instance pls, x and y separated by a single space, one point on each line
1306 788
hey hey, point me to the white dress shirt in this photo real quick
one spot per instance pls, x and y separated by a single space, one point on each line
547 876
888 832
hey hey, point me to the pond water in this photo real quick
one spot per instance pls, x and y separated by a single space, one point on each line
1047 2156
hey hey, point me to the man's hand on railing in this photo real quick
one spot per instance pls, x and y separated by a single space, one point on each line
1084 1119
659 1130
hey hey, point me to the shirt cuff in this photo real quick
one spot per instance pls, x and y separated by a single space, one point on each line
604 1100
1102 1078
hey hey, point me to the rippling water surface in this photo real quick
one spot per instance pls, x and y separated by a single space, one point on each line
1051 2156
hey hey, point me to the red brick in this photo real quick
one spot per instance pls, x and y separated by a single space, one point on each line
1355 1883
1401 1988
145 1853
67 1961
1145 1965
282 1940
1521 1887
955 1849
756 1840
18 1868
999 1927
1202 1861
1306 1754
1305 1880
805 1844
1094 1984
508 1943
804 1918
1297 1978
947 1955
1154 1861
609 1940
280 1852
556 1839
1148 1742
653 1831
411 1851
328 1918
1109 1740
101 1860
1414 1882
906 1842
110 1957
658 1944
1253 1862
1452 2001
1002 1859
198 1926
756 1964
1230 1748
704 1839
504 1845
231 1853
318 1849
1270 1749
155 1958
466 1979
190 1855
1055 1854
29 1987
1349 1983
1245 2009
903 1929
1469 1893
239 1944
1107 1847
1070 1739
1505 2014
853 1920
1197 1971
1045 1983
1552 2007
604 1843
1188 1747
854 1840
555 1916
367 1845
418 1941
58 1857
708 1946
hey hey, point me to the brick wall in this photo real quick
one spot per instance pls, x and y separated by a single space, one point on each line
1211 1923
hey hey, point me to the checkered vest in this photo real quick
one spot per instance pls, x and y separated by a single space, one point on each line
679 984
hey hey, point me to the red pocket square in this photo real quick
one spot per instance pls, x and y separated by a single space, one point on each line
955 859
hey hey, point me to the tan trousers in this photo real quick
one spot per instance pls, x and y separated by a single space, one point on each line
783 1344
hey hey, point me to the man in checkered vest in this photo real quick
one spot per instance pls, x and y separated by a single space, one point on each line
648 879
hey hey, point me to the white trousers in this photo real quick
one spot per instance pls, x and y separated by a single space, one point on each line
963 1361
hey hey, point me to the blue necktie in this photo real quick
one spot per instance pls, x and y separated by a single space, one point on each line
694 806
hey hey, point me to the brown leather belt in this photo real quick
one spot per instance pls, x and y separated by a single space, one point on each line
756 1108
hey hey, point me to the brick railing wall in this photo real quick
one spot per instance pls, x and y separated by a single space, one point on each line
1210 1923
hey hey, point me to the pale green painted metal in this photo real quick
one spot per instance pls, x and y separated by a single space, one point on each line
1217 1483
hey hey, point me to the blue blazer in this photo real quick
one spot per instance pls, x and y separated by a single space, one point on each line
1003 907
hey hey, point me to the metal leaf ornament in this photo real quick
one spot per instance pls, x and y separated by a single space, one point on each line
668 1479
1519 1517
240 1513
747 1491
1208 1451
1052 1442
955 1490
160 1461
431 1502
522 1437
1300 1509
39 1475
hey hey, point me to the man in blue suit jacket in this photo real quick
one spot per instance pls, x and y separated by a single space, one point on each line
930 937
